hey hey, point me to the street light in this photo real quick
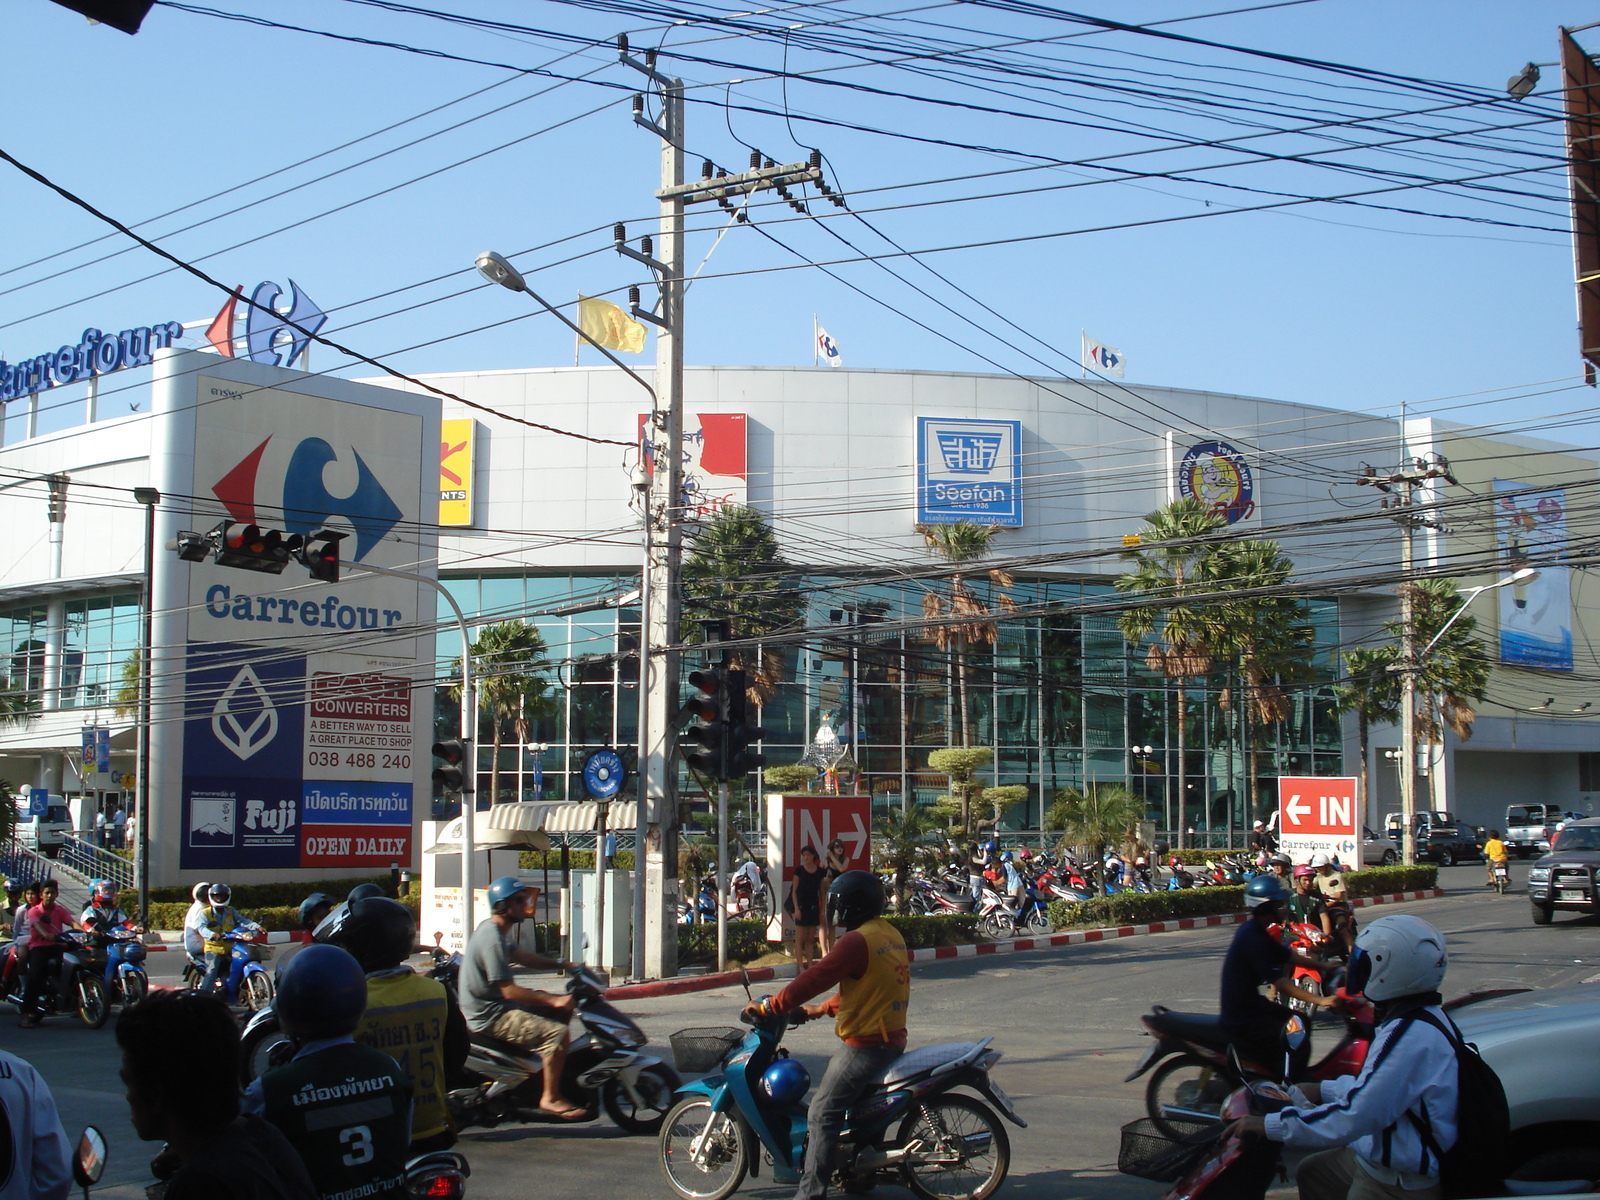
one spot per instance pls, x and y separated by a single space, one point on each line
1523 82
149 497
1521 575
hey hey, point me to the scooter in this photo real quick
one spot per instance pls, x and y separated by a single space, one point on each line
913 1127
125 978
1502 876
704 906
1199 1066
248 982
1313 943
605 1062
70 985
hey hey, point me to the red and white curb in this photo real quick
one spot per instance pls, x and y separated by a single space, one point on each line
1071 937
280 937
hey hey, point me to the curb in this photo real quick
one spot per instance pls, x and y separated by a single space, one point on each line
1074 937
279 937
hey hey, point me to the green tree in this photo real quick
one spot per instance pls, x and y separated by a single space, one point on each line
1268 641
958 543
792 778
1452 676
1100 815
1371 692
961 764
125 700
999 799
507 659
734 569
1176 545
903 839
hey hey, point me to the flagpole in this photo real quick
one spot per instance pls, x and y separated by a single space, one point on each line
577 332
813 339
1083 358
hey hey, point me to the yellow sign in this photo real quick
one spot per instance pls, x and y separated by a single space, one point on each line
455 471
1128 539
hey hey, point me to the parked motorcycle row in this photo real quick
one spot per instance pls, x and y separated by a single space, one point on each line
747 900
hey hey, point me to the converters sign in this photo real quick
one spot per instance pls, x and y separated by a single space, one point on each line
1319 813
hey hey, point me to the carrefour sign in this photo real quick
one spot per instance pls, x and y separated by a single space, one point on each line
95 354
969 470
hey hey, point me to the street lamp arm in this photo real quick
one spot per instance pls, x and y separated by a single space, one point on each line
469 713
1522 575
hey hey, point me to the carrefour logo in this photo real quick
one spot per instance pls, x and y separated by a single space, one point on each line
307 504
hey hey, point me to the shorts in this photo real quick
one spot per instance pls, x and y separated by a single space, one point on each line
528 1029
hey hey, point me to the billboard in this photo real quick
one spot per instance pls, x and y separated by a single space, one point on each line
715 461
1535 616
1319 813
287 709
812 819
969 470
1215 473
457 450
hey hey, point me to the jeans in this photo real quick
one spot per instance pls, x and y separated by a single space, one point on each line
39 960
216 969
850 1073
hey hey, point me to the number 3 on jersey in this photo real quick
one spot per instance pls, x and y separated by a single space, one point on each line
359 1140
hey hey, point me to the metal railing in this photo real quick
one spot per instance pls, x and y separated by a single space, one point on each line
84 858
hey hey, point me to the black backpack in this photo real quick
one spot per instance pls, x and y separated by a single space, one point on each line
1475 1165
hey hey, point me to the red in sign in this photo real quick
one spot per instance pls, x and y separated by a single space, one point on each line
817 820
1318 804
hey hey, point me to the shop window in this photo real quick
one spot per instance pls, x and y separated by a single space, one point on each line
1589 772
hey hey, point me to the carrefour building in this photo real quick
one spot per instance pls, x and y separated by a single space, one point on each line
336 681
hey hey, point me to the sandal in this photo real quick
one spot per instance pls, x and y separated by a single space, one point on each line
566 1114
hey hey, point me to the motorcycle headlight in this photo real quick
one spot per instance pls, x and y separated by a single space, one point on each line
1539 875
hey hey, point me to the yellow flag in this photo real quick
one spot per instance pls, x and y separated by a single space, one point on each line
604 324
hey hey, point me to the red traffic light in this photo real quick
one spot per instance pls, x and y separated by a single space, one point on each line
252 548
320 555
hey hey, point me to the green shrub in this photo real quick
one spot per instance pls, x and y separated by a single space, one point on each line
257 895
921 933
272 917
1379 881
1199 858
747 940
1139 908
577 860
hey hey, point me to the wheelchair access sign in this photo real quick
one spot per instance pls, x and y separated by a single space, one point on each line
1319 813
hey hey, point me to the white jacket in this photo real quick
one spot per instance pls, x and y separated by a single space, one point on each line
40 1153
193 942
1410 1068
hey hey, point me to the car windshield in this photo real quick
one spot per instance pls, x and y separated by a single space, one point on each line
1579 837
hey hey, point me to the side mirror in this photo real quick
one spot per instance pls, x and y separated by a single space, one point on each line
744 980
89 1163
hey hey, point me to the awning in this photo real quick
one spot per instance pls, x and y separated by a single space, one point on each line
485 837
570 818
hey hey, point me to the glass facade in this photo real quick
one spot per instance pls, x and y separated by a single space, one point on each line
1063 699
100 640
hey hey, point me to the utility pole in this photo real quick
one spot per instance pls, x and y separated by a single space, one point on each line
1401 485
662 592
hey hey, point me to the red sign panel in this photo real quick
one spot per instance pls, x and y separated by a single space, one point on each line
1319 812
355 846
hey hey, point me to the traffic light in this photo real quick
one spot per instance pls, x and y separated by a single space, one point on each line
741 759
455 775
320 555
252 548
710 710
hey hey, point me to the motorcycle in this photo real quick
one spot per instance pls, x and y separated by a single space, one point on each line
913 1127
1313 943
439 1174
704 906
248 981
71 984
1199 1066
1502 876
124 954
605 1062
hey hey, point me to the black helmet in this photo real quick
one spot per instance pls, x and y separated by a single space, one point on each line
854 898
310 905
321 994
380 933
362 890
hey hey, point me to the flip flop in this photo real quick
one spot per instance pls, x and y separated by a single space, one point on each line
567 1114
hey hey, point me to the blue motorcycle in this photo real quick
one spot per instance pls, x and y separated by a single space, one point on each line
704 907
913 1127
125 978
248 982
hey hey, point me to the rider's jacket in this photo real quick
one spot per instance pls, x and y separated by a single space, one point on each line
406 1018
100 920
215 927
346 1109
873 972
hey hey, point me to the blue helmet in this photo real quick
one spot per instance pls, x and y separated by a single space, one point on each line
991 845
785 1082
503 889
1006 857
321 994
1265 889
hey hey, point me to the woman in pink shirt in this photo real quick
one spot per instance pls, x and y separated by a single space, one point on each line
46 920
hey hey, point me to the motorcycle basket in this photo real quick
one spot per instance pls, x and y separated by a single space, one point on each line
1148 1153
696 1051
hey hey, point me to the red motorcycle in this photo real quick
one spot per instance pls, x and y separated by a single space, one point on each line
1199 1067
1310 941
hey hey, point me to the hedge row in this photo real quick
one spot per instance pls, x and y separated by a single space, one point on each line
577 860
1379 881
256 895
747 940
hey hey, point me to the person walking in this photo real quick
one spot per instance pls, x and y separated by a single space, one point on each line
119 828
804 906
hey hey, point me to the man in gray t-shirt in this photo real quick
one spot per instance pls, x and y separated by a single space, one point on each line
492 1003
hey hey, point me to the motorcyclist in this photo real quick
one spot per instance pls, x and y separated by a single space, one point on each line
1016 889
871 967
1335 897
345 1107
1282 866
193 944
1254 958
409 1016
1494 852
492 1003
313 909
1380 1133
102 915
46 921
219 924
13 898
1306 905
17 952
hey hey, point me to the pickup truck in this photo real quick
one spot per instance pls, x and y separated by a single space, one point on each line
1566 877
1528 828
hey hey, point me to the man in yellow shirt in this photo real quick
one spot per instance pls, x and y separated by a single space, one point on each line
1494 851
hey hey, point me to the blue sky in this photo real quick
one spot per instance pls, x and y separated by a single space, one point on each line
1327 304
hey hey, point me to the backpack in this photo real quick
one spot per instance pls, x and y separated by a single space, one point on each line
1476 1164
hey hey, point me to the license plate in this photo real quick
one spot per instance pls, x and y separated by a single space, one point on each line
1570 894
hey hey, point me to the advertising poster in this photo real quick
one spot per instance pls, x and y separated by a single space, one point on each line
300 701
969 470
1535 616
715 461
457 448
1215 473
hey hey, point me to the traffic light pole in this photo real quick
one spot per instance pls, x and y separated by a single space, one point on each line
722 874
469 715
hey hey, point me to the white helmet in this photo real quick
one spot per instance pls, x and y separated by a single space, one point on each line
200 891
1319 859
1401 955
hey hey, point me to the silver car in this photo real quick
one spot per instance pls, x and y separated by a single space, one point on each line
1378 851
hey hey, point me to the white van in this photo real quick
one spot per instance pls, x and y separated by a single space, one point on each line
46 834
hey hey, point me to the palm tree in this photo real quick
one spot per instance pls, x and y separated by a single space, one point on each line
1456 670
506 660
125 700
957 543
1100 815
904 836
1267 640
1372 692
1181 632
734 569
